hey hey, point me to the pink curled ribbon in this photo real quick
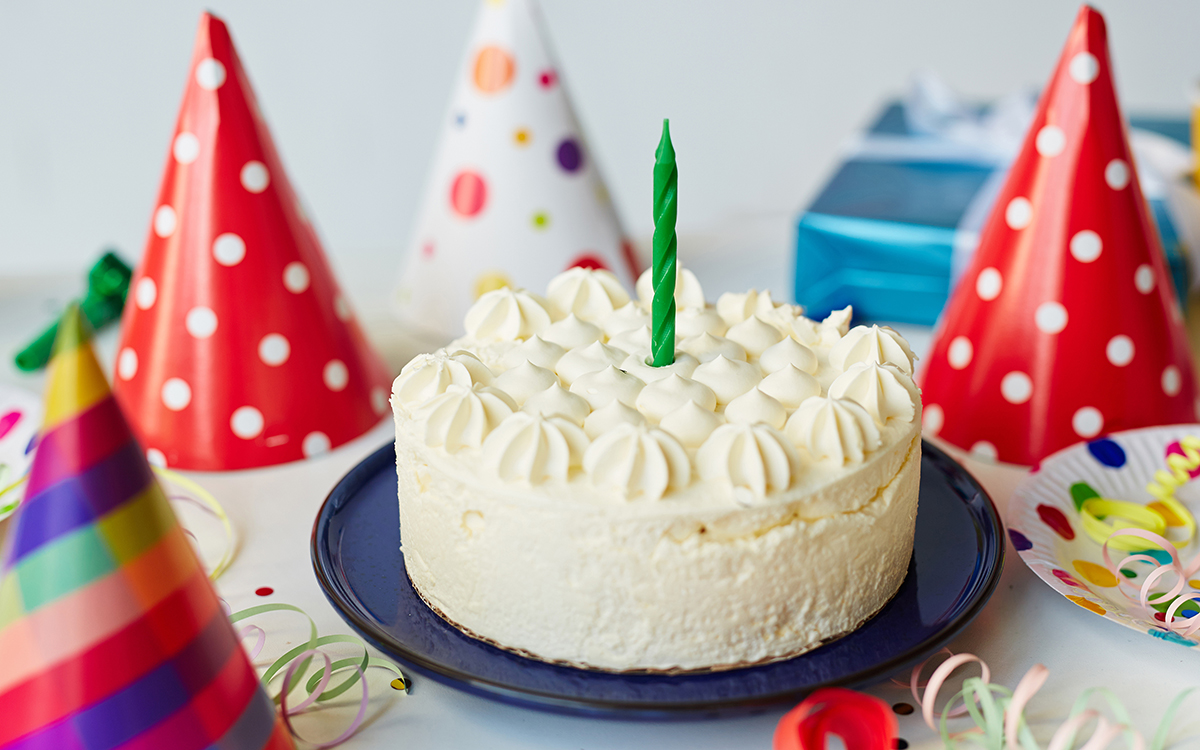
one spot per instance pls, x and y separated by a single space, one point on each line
296 663
999 714
1179 594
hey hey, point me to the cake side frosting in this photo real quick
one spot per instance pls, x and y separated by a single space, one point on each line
548 473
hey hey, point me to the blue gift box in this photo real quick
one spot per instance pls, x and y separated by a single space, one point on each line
882 234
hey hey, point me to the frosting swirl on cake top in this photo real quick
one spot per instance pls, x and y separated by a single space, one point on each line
557 390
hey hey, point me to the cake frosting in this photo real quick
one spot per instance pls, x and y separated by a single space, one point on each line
562 498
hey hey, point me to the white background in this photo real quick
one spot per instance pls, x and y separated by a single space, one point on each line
760 94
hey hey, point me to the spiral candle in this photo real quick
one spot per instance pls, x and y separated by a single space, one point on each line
666 182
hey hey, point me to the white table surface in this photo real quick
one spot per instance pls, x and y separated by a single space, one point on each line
273 511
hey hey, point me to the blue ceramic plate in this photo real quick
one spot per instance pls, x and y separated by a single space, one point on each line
956 563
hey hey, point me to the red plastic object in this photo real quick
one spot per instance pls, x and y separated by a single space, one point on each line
1065 326
238 349
863 722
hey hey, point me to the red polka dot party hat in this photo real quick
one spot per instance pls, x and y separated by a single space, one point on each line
111 633
1065 325
238 349
514 196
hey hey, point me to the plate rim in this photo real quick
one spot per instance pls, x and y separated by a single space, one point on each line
342 601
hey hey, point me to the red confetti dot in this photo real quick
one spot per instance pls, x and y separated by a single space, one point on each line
1160 616
588 260
548 78
1066 578
468 194
1054 518
264 591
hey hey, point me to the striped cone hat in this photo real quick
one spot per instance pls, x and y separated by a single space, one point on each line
112 637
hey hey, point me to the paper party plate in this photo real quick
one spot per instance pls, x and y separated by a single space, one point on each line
20 418
1045 523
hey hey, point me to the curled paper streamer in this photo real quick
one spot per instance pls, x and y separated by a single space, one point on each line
180 489
1180 592
999 713
10 492
1183 459
861 721
295 664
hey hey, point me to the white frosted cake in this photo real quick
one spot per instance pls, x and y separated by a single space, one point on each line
561 498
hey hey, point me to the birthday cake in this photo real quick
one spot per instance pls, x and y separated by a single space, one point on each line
562 498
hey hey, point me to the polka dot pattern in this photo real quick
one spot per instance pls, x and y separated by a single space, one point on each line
1095 574
228 249
201 322
1016 387
1172 380
145 294
295 277
1019 541
1050 317
1056 520
1084 68
210 74
494 69
255 177
932 419
176 394
569 155
186 148
336 375
127 364
164 221
233 298
379 400
1109 453
960 352
246 422
1119 350
274 349
468 194
1076 319
1116 174
1019 213
1143 278
1086 246
156 458
1051 141
315 444
988 284
1087 422
984 451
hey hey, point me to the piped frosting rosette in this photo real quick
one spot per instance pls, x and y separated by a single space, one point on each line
557 389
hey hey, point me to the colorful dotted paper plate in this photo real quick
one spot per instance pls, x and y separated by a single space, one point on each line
20 417
1045 527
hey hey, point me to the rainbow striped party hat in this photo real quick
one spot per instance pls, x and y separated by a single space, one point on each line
111 636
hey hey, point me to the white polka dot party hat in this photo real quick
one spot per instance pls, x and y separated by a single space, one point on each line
514 197
238 348
1065 326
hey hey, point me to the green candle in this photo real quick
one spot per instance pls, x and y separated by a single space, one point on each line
666 199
